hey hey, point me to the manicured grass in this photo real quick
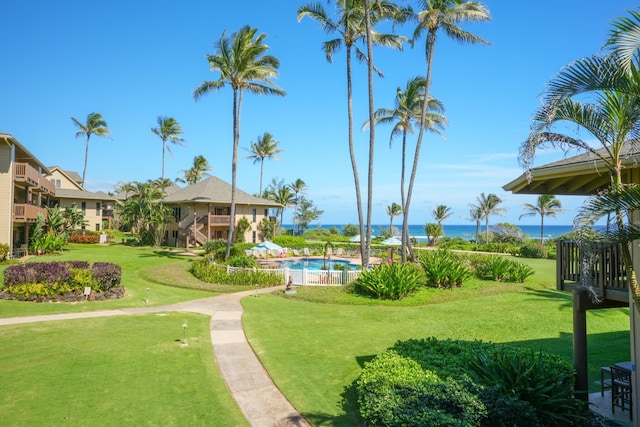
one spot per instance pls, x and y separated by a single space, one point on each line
314 351
126 370
162 271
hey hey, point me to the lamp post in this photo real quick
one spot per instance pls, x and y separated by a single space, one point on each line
184 336
147 299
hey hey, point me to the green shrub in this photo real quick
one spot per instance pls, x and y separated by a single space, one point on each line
394 390
444 270
214 273
533 250
4 251
393 281
213 245
542 380
504 386
81 238
242 261
81 278
500 268
289 241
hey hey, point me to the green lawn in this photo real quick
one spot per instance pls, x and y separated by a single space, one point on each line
315 351
131 370
126 370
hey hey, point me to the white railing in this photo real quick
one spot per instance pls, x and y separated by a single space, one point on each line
307 277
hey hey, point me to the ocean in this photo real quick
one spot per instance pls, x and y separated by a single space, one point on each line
465 231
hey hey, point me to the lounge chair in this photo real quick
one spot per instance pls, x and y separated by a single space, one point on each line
296 252
339 252
305 252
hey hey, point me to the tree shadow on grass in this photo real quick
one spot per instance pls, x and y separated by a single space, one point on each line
165 254
349 418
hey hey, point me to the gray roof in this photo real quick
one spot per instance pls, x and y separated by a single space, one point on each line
214 190
64 193
22 154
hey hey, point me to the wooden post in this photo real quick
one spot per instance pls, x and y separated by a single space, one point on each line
580 343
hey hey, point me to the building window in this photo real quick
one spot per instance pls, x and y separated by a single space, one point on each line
84 208
174 234
266 212
177 214
56 182
97 227
255 213
98 212
254 237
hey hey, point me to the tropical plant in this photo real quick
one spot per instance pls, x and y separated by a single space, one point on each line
350 230
546 205
94 125
243 65
280 193
394 281
267 228
406 113
168 130
433 232
443 269
264 148
353 25
500 268
242 226
197 172
440 214
436 16
393 210
475 214
488 205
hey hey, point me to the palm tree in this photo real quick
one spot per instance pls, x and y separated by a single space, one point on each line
168 130
351 29
95 125
393 210
264 148
299 187
406 113
436 15
547 205
475 214
488 205
441 213
197 172
243 64
281 194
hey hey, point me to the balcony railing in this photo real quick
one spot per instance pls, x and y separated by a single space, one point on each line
27 213
605 270
219 219
24 172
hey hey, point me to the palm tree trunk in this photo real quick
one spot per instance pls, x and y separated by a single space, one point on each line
237 102
431 38
86 156
164 144
372 129
261 169
486 229
542 229
354 164
403 237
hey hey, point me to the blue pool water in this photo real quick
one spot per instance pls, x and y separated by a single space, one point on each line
312 264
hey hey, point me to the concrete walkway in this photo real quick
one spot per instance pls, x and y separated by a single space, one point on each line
250 385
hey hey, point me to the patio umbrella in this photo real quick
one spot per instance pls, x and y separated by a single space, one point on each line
355 238
267 245
392 241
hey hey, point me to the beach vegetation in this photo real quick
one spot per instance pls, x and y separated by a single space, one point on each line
168 130
390 281
306 212
299 188
444 269
500 268
265 147
350 230
433 230
546 205
197 172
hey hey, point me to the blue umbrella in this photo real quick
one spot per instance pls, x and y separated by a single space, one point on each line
267 245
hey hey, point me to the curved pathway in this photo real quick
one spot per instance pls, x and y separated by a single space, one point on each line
259 399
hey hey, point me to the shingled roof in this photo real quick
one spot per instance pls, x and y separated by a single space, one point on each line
215 190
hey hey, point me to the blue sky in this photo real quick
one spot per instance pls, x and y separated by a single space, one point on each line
133 61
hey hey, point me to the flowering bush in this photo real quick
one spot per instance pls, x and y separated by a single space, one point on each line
80 238
55 280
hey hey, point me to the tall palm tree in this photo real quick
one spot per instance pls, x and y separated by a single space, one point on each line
168 130
405 114
299 187
440 214
393 210
280 193
434 16
351 29
264 148
197 172
488 205
475 214
547 205
95 125
243 65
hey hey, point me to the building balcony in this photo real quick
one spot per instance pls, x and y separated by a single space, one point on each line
27 213
107 213
24 172
607 274
220 220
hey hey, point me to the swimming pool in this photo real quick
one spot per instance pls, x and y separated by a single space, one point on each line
313 264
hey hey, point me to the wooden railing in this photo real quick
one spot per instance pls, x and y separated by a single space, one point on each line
24 172
603 269
219 219
27 213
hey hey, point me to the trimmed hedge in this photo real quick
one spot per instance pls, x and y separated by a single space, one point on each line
214 273
84 238
461 383
57 280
